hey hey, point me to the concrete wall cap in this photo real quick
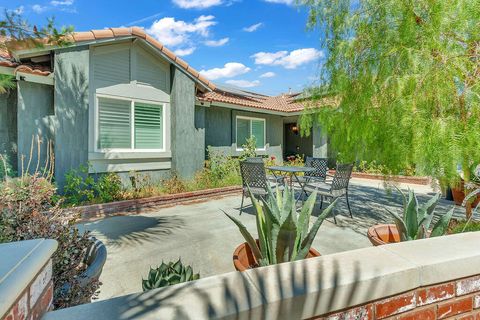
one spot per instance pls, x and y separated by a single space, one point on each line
21 262
301 289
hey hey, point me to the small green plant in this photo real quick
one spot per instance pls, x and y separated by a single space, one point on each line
416 220
283 232
169 274
249 149
109 187
6 169
466 226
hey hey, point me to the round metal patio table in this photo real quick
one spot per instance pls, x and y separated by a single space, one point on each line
292 171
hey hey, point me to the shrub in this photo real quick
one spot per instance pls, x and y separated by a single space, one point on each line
221 165
168 274
466 226
249 149
27 213
173 185
81 187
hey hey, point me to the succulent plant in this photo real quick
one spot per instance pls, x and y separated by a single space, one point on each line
283 232
168 274
416 220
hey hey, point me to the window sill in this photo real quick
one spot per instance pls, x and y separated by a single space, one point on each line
114 155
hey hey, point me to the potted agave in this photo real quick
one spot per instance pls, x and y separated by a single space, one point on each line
283 232
414 224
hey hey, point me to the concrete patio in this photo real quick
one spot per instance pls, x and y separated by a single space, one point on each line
203 237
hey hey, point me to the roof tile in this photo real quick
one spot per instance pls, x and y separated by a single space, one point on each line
139 32
102 34
83 36
121 32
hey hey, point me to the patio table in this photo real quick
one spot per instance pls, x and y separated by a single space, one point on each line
292 171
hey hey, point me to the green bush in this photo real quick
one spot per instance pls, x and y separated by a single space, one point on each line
81 187
27 212
466 226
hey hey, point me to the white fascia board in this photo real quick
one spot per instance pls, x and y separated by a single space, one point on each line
48 80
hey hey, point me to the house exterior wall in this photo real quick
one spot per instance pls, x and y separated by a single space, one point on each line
220 131
129 71
71 110
35 119
188 130
8 126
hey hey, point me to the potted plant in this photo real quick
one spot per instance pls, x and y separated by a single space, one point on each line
414 224
283 232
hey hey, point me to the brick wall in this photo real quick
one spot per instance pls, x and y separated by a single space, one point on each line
458 299
36 299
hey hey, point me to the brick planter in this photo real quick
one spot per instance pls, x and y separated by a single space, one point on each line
98 211
402 179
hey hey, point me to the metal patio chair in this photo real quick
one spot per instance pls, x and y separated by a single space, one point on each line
270 177
336 189
254 178
321 167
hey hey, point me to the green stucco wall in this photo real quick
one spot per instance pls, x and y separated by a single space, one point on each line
187 130
35 118
220 130
71 109
8 126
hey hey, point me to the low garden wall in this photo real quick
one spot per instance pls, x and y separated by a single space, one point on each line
98 211
26 287
437 278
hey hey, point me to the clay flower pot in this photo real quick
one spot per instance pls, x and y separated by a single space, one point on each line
383 234
244 259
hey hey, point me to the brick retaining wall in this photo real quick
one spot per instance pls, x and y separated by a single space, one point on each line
458 299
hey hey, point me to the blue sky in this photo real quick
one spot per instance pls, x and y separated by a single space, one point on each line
260 45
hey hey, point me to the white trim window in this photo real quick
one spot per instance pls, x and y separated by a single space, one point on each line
247 127
129 125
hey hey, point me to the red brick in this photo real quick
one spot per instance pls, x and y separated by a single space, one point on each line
363 312
455 307
469 285
436 293
471 316
43 303
395 305
419 314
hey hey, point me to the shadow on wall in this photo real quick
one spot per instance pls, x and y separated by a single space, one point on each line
306 293
71 113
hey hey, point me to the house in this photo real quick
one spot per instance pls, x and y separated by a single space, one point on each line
121 101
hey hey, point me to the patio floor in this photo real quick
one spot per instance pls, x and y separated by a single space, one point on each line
205 238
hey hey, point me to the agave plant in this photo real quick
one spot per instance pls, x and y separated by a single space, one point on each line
416 220
283 232
168 274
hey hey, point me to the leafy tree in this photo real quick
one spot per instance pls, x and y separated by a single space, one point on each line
406 77
17 33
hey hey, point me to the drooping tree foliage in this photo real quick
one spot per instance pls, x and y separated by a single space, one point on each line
406 76
17 33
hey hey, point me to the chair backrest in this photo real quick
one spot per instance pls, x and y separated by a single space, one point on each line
320 165
253 174
342 178
255 159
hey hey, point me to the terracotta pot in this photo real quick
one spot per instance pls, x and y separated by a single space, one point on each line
243 258
383 234
459 196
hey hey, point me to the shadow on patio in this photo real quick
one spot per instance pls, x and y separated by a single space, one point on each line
134 230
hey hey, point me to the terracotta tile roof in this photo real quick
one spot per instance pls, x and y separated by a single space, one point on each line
281 103
6 60
111 33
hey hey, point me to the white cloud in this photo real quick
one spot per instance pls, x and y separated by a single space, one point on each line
184 52
253 27
288 60
19 10
197 4
288 2
244 83
38 8
217 43
61 3
229 70
268 75
173 32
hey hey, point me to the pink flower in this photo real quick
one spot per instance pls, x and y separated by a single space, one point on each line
273 158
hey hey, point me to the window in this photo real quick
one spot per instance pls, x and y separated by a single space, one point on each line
250 127
130 125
